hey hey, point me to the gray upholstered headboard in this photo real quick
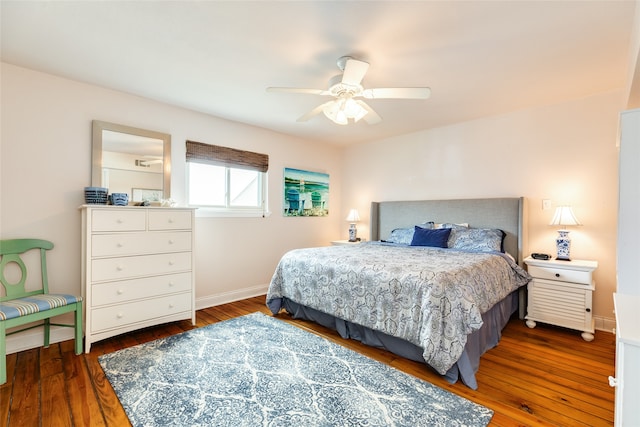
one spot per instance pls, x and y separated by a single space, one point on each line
507 214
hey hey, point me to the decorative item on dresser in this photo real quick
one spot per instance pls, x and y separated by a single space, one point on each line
137 268
561 294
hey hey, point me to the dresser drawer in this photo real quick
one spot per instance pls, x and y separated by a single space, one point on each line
125 314
140 243
138 266
564 275
118 220
169 219
127 290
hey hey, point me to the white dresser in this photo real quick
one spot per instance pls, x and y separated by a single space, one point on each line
628 267
137 268
627 380
627 296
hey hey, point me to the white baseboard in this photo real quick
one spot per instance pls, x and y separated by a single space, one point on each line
34 338
227 297
606 324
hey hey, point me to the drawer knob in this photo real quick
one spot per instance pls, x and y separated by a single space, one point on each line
170 220
170 284
171 305
119 221
557 274
170 242
588 310
119 268
171 263
120 315
120 292
613 382
119 245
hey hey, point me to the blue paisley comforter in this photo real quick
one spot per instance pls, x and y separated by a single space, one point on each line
430 297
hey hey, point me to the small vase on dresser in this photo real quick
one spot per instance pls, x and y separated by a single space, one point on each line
137 268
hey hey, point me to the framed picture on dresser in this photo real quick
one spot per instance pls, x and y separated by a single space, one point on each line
149 194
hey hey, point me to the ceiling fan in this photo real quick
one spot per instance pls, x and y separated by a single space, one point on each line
345 88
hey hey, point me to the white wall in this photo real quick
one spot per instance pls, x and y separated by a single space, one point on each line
566 153
45 162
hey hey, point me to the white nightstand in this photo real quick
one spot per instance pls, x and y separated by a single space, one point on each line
345 242
561 294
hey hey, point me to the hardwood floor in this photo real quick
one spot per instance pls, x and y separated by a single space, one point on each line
541 376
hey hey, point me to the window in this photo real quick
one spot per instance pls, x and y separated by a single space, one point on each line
225 181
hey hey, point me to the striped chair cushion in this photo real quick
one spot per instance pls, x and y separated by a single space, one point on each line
33 304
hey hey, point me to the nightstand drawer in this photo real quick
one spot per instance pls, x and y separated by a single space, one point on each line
562 274
345 242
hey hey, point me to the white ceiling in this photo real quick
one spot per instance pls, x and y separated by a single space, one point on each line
480 58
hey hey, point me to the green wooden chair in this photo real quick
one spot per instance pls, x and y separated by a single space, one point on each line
19 306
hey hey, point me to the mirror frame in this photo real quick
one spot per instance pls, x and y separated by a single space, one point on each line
96 154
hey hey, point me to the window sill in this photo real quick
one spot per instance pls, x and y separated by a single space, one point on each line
206 212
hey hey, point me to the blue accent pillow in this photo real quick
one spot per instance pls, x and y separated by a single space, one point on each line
427 237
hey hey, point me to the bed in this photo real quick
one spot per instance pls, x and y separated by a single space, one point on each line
433 284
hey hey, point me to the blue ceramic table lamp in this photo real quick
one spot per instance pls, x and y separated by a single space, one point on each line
564 216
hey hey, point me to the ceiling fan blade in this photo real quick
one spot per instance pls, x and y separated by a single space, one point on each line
372 117
354 72
314 112
397 92
298 90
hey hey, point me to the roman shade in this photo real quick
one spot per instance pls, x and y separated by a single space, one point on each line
199 152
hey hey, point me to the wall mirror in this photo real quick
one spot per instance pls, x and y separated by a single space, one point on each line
131 160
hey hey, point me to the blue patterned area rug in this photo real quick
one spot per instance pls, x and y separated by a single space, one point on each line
256 370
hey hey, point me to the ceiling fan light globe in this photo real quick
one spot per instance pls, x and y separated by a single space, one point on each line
331 109
334 112
353 110
359 115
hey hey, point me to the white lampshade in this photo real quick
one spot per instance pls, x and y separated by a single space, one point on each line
564 216
353 216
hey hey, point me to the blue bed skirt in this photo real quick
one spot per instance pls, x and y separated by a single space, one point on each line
465 369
